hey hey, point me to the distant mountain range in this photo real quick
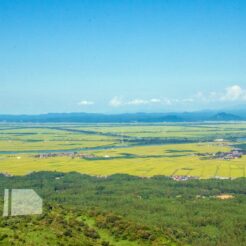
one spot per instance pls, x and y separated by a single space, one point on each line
127 118
225 117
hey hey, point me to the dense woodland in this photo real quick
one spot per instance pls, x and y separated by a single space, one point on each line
130 210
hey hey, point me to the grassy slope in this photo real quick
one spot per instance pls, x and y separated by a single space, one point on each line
58 226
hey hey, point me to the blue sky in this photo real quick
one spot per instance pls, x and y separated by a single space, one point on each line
121 56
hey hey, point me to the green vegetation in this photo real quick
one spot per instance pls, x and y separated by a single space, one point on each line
128 210
59 226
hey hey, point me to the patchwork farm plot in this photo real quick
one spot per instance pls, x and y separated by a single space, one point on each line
182 151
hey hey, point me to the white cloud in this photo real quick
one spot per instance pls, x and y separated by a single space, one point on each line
167 101
116 102
138 102
85 103
234 93
155 100
229 94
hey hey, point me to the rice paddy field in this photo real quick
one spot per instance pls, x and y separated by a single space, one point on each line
136 149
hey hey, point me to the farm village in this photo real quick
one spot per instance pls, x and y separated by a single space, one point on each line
66 154
179 151
234 153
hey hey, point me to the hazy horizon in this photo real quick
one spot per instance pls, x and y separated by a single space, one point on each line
238 109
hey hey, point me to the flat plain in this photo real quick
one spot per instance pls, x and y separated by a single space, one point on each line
169 149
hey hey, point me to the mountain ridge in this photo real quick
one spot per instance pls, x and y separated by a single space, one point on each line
125 117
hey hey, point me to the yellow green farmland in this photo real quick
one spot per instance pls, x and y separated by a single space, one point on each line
194 150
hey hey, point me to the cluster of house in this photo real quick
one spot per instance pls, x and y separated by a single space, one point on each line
183 177
6 174
67 154
233 154
221 177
